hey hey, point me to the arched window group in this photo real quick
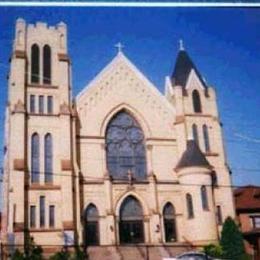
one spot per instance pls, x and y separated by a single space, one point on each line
125 148
35 64
205 132
131 223
196 101
35 158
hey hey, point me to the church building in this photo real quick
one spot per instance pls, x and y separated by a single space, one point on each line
120 163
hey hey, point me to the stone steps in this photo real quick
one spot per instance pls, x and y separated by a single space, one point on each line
134 252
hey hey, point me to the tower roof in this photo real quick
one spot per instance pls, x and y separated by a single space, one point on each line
182 69
192 157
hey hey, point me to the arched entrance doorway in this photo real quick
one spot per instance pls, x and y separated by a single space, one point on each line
131 227
169 223
91 226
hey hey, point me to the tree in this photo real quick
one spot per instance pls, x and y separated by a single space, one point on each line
213 250
232 241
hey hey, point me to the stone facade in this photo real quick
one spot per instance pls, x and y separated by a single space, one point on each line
79 165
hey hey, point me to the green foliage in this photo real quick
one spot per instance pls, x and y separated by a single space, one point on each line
62 255
78 254
213 250
17 255
232 241
34 252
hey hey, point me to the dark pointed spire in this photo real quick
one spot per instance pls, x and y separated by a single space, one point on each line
183 67
193 157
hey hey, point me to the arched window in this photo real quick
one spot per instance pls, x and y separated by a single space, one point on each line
206 138
189 206
196 101
195 134
131 221
204 198
125 150
169 222
46 64
48 174
35 158
35 64
91 224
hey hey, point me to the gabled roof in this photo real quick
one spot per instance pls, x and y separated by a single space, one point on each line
192 157
121 58
182 69
247 198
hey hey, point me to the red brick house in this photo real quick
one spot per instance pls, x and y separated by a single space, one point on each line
247 203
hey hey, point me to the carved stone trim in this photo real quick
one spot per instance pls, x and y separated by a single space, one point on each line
46 86
66 165
18 226
211 154
149 147
161 139
48 186
68 225
199 114
63 57
64 109
90 137
44 230
19 164
20 54
19 107
91 182
179 120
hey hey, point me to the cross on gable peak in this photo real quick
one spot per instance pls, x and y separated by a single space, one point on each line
119 47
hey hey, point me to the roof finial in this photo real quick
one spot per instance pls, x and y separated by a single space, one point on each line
181 45
119 47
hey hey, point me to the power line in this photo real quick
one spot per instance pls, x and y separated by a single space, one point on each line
91 178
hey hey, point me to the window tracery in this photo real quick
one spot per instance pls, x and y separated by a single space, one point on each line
125 150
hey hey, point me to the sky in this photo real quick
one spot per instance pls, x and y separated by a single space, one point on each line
224 44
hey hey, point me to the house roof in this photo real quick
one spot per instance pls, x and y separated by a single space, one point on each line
247 198
192 157
182 69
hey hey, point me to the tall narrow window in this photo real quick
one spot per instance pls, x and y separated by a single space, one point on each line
46 64
204 197
206 138
35 64
189 206
196 101
169 223
219 215
41 104
52 216
42 211
125 147
195 134
32 216
32 103
49 104
48 175
35 158
91 227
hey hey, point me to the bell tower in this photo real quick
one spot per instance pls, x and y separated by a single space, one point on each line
39 125
197 118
